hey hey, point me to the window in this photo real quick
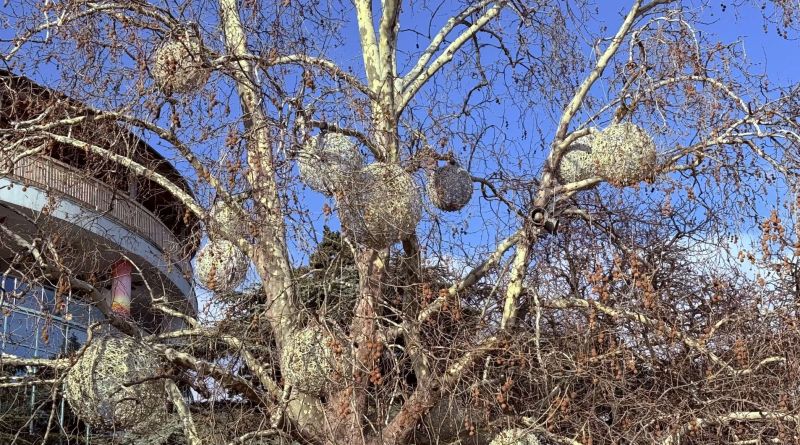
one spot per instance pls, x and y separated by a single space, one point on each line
30 325
50 341
15 292
81 313
20 334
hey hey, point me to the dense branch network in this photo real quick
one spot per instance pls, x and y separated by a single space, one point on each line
567 304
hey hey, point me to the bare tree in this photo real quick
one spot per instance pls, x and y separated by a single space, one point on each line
614 301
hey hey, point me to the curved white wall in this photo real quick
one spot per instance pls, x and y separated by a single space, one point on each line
66 210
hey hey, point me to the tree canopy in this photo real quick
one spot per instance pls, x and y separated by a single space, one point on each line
490 222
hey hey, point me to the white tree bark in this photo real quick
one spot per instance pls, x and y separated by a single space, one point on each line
269 255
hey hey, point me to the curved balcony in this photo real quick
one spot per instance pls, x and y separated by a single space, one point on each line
54 176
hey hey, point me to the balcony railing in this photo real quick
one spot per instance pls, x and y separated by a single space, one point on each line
65 180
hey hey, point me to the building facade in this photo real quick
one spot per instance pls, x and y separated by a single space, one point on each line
70 221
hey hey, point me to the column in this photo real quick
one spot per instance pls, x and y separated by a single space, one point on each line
121 288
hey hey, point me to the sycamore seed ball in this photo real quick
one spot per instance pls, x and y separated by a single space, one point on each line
382 206
624 154
515 436
328 162
577 163
95 386
178 64
308 360
450 188
221 266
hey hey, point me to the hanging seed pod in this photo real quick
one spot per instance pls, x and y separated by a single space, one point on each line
381 206
450 188
178 65
577 163
624 154
328 162
112 386
515 436
221 266
308 360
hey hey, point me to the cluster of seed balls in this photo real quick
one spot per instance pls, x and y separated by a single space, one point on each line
622 154
379 204
112 386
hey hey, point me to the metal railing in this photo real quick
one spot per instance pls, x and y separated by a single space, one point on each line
55 176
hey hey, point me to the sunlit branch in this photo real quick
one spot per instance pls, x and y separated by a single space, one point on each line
472 277
600 66
62 363
412 87
369 44
326 65
436 43
189 428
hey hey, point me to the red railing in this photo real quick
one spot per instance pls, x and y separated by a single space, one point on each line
55 176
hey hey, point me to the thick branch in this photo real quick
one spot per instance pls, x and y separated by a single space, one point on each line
6 360
189 429
387 43
575 104
327 66
436 42
249 437
369 44
29 383
269 255
224 376
445 57
472 277
519 268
